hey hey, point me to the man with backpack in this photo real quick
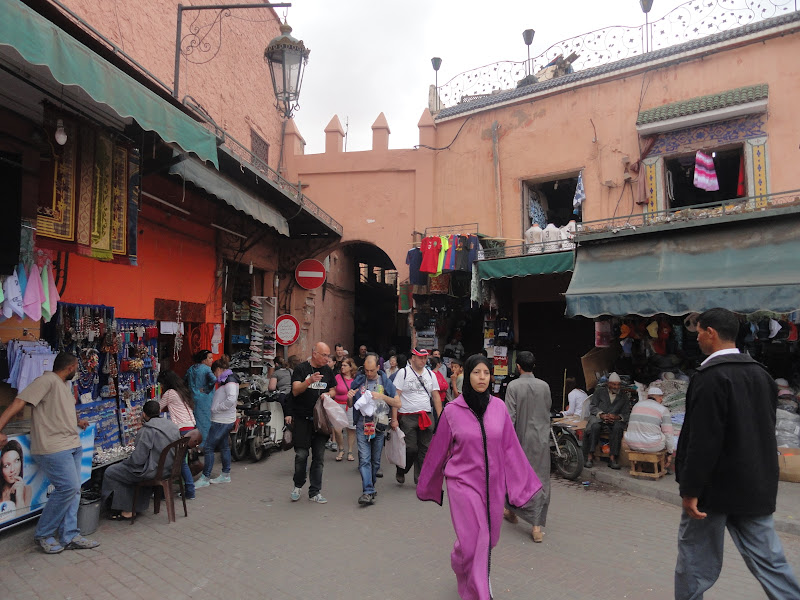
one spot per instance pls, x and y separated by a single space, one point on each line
418 390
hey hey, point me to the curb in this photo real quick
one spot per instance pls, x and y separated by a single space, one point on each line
640 488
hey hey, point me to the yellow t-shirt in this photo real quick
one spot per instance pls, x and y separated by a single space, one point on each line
442 252
54 424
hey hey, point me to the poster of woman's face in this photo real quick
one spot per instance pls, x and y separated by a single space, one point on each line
15 492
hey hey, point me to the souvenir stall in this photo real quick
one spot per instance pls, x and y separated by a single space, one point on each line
138 372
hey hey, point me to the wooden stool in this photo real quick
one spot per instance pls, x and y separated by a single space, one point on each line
640 459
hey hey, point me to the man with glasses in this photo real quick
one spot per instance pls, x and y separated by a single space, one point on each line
310 380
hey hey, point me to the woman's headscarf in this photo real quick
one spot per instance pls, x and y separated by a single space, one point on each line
475 400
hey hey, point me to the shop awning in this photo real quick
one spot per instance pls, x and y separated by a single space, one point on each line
522 266
40 42
746 268
206 178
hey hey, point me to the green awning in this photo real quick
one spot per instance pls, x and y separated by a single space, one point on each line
206 178
744 268
40 42
522 266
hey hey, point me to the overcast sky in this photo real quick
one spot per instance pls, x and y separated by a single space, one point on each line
373 56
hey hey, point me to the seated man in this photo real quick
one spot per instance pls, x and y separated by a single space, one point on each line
608 412
650 425
119 480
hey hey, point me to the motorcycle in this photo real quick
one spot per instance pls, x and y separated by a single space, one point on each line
565 451
256 431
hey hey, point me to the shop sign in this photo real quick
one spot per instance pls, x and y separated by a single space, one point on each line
310 274
28 487
287 330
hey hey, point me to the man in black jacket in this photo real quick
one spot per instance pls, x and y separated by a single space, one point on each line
727 467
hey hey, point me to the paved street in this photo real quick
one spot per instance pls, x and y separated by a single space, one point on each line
247 540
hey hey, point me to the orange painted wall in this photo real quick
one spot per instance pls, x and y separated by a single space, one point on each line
175 265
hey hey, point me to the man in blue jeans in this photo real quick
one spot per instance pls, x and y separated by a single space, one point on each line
56 448
727 467
371 417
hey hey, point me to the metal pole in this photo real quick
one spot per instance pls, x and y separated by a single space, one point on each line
436 90
647 31
219 7
177 75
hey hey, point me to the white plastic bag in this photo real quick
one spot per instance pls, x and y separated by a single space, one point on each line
336 413
396 448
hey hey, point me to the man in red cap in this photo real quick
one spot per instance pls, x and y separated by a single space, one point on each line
418 391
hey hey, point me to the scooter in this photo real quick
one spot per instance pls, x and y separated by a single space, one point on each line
264 426
565 451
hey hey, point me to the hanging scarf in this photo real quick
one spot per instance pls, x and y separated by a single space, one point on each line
477 401
223 376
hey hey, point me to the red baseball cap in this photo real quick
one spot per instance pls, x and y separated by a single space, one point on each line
416 352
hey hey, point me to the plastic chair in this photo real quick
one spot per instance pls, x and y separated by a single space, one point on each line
164 481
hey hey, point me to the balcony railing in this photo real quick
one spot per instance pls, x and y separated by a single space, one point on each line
291 190
526 249
713 210
690 21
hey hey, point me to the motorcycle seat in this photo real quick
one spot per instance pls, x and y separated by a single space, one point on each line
257 413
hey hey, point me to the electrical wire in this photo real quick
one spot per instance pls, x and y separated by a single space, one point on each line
453 140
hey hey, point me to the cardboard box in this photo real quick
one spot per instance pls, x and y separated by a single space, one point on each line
789 463
595 361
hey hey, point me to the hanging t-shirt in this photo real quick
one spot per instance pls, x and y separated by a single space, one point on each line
430 248
414 261
474 246
450 255
445 245
462 254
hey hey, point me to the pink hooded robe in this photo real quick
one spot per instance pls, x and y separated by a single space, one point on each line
458 453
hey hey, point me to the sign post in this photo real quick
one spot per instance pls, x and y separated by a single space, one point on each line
287 330
310 274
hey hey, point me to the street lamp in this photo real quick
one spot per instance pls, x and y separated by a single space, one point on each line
436 62
527 37
286 57
646 5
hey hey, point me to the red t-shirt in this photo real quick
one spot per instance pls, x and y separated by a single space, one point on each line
430 247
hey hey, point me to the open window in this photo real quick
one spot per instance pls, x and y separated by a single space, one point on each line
550 202
679 178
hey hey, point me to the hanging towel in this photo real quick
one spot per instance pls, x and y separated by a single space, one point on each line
46 313
580 195
32 300
705 177
55 297
13 297
23 279
740 188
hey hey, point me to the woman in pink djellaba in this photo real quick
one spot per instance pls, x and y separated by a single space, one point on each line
476 449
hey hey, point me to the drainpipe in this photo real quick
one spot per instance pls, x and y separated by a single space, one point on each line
497 186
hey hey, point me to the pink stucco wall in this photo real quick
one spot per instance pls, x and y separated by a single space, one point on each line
542 138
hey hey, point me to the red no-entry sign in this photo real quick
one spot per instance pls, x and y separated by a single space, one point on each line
287 329
310 274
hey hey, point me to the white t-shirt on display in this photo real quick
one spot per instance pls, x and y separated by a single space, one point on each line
413 397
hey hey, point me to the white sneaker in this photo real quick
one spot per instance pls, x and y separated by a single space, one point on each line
223 478
319 499
295 495
201 482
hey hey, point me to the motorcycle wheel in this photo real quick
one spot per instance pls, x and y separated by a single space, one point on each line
570 464
257 450
239 443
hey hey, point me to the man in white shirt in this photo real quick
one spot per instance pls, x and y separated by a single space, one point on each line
418 391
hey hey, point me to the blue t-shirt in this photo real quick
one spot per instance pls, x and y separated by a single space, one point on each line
414 262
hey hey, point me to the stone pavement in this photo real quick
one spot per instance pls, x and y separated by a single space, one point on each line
787 515
247 540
